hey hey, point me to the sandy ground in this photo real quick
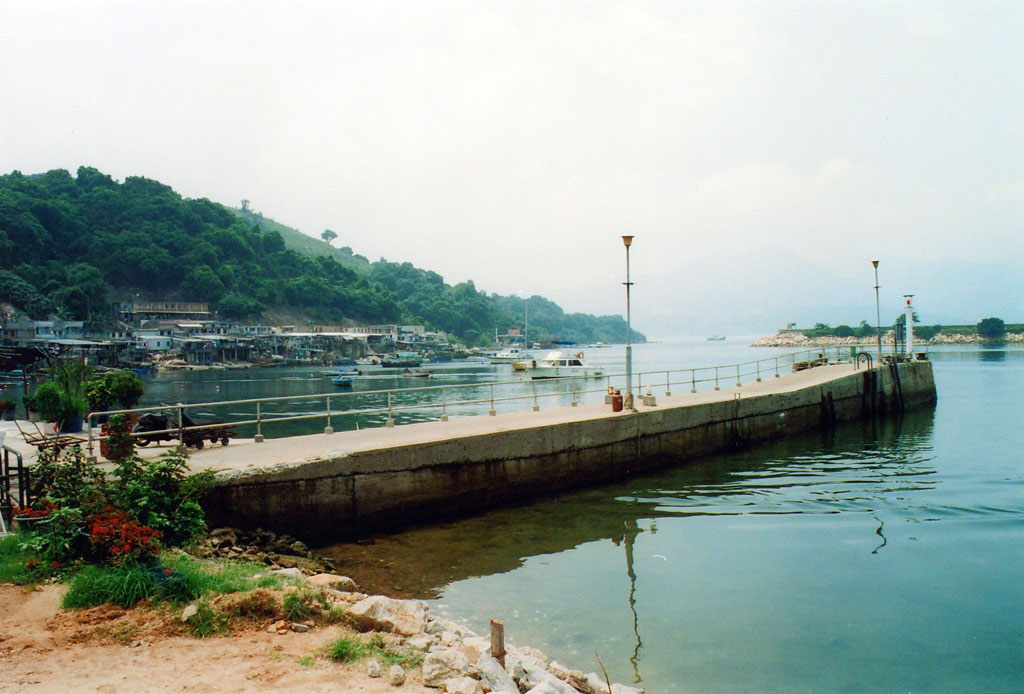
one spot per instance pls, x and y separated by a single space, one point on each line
109 649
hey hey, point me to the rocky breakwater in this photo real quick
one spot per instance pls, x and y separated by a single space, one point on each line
458 661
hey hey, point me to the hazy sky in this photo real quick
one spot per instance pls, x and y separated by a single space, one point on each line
512 143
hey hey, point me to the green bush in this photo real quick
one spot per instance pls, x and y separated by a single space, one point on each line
48 402
163 495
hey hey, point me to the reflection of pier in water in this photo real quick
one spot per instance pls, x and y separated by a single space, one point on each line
420 561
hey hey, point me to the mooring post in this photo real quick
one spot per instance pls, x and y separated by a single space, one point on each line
498 641
492 412
390 421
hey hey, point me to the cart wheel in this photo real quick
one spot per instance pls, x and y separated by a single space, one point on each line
200 443
142 442
224 441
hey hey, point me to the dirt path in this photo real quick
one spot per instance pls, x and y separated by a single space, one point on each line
109 649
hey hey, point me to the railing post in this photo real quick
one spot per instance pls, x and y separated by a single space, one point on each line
444 405
758 362
776 367
716 378
536 405
738 383
668 386
182 448
390 420
693 380
328 429
259 423
492 412
88 422
575 386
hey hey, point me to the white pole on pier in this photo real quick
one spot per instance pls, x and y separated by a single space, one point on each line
628 400
910 326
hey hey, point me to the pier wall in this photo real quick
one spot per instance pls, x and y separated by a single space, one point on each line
355 492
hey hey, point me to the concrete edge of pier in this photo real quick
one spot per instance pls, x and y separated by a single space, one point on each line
350 483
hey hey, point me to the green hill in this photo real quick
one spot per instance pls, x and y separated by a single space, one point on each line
72 244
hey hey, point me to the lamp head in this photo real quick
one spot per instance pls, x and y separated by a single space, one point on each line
875 263
627 241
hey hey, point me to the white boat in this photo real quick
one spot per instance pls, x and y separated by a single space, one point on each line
562 365
510 356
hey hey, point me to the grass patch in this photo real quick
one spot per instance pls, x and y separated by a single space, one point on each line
307 661
347 649
205 622
13 560
122 585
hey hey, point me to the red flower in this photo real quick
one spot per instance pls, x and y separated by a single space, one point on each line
55 564
167 572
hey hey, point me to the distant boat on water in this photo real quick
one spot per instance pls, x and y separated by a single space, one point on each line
404 359
716 338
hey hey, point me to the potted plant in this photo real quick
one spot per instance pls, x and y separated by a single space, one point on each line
126 388
48 403
118 441
70 378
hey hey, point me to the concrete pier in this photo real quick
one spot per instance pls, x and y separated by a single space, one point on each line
347 483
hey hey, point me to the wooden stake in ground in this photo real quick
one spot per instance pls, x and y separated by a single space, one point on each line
498 641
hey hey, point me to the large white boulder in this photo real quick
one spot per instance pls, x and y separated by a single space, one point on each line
444 665
494 676
405 617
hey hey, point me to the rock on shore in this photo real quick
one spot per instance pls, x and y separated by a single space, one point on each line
457 660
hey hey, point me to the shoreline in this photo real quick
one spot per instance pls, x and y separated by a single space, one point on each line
801 340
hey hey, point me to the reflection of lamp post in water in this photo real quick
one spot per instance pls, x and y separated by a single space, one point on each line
629 537
628 400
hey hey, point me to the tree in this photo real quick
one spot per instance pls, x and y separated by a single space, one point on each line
991 328
328 236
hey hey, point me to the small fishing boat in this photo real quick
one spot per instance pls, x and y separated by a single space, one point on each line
562 365
415 373
348 372
342 381
510 356
405 359
716 338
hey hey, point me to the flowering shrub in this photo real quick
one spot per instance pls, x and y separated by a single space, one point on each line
43 509
114 534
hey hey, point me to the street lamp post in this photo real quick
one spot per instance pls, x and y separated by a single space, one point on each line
628 400
878 315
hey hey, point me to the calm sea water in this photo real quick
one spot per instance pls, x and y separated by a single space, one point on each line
881 557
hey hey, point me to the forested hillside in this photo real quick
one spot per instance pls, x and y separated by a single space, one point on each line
70 245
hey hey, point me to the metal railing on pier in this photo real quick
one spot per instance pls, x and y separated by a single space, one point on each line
380 407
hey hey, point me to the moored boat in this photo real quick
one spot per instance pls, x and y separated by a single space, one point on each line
404 359
342 381
510 356
562 365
